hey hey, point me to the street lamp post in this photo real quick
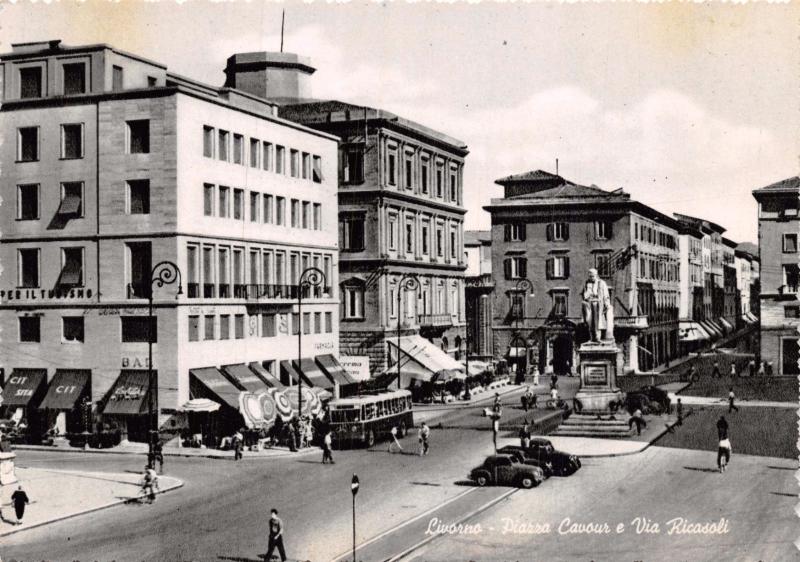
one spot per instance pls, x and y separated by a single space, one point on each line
354 484
164 273
524 286
311 277
408 282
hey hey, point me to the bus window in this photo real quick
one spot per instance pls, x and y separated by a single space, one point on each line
369 411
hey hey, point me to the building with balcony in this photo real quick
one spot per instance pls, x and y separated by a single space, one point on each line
478 289
547 232
691 310
400 213
779 313
113 164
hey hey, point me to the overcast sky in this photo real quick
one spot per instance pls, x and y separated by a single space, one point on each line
688 107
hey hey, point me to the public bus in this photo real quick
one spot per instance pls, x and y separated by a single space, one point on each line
362 420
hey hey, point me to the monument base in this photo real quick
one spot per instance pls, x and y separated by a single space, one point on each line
598 371
7 473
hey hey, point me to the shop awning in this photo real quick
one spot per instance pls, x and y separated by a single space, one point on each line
689 330
200 405
720 329
728 326
269 379
66 388
420 359
24 385
289 373
244 377
712 330
752 317
312 374
209 380
335 372
129 393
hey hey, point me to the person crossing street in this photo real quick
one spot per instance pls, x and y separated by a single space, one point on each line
275 536
327 455
394 440
731 398
424 434
20 499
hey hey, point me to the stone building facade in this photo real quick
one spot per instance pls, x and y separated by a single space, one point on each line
547 232
478 293
111 165
778 230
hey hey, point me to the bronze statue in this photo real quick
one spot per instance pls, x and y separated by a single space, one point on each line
597 310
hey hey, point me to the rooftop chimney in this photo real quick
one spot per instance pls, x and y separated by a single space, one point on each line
275 76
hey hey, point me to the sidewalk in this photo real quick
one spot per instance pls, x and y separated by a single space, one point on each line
707 401
61 494
141 449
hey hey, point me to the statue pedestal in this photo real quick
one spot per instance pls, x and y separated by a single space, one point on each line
598 371
7 474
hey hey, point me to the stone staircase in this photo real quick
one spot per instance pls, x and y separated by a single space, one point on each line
587 425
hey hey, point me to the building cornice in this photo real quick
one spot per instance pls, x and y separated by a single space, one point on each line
371 193
411 266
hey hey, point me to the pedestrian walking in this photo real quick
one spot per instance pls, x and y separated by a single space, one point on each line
679 411
716 372
495 431
761 369
536 376
733 370
158 449
751 368
275 536
424 434
554 381
496 406
637 419
327 455
394 440
722 428
20 499
554 394
723 452
150 483
731 398
238 445
769 368
525 435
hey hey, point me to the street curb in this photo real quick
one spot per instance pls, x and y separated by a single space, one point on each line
179 484
645 446
166 453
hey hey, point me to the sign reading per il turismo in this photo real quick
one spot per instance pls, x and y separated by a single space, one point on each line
43 294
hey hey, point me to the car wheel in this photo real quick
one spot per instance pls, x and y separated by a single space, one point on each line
482 480
370 438
526 482
401 431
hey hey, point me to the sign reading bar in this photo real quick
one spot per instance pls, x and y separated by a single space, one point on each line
44 294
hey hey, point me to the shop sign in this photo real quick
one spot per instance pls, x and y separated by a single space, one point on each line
357 366
324 346
44 294
135 362
128 393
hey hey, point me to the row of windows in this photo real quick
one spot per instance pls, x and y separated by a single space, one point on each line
412 237
263 207
260 270
555 232
427 299
265 325
29 266
73 79
137 199
230 147
137 140
656 268
416 172
133 329
559 306
651 235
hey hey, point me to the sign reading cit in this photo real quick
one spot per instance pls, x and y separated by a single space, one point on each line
20 380
44 294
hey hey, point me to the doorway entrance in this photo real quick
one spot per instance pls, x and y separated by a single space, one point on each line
562 354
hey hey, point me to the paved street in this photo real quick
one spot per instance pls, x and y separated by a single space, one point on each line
221 512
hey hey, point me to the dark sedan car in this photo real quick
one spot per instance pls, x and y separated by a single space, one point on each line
541 453
505 470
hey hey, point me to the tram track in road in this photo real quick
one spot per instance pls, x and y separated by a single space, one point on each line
398 542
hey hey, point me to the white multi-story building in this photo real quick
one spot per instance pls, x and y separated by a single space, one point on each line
112 165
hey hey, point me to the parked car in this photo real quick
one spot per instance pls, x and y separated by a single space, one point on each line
505 470
649 399
541 453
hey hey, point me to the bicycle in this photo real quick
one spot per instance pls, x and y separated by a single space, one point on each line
147 491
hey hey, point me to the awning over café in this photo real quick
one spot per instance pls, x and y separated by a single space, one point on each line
129 394
312 375
420 360
335 372
712 330
728 326
289 374
66 388
269 379
689 330
244 377
23 386
752 317
208 382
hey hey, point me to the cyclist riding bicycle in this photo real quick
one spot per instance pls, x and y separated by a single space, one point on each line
723 454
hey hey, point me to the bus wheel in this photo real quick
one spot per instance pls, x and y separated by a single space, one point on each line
370 438
401 431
